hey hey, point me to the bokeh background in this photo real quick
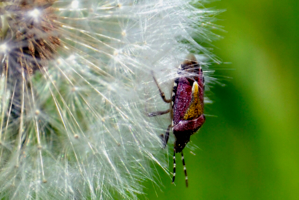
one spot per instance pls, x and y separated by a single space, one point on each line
250 148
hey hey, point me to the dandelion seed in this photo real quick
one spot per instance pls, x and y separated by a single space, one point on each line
35 13
3 48
75 4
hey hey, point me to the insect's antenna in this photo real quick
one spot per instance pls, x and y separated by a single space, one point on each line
185 169
174 165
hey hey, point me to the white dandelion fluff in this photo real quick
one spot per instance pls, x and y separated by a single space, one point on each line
74 87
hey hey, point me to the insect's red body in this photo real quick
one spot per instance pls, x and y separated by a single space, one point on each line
183 97
187 105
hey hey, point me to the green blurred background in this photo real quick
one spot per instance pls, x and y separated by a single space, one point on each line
251 149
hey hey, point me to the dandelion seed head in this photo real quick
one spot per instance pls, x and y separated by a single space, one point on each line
75 88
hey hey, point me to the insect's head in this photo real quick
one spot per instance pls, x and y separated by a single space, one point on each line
181 142
190 65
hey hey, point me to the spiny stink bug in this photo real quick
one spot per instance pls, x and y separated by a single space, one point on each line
186 108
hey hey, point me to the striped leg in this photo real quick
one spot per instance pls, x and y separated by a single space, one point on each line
185 169
174 165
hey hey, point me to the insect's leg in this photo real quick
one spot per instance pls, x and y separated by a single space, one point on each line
153 114
185 169
166 137
174 166
161 93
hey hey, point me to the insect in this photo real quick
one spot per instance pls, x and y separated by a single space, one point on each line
186 107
